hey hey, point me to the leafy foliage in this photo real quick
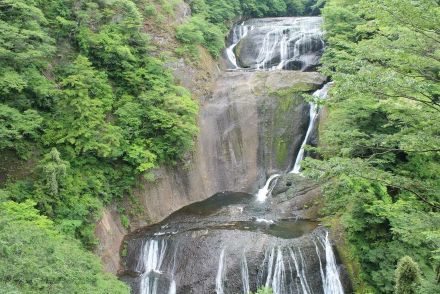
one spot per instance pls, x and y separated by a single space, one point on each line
35 258
264 290
16 127
408 276
82 95
381 143
198 31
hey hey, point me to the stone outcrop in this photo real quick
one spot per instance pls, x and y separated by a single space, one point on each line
252 124
110 234
279 238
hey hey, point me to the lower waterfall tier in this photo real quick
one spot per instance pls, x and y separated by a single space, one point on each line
231 243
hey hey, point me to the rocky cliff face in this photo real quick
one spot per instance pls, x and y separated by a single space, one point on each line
251 125
248 127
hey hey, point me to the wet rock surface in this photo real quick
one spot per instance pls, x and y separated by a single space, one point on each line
293 43
228 233
249 127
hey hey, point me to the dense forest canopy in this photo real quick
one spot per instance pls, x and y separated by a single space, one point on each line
78 79
381 141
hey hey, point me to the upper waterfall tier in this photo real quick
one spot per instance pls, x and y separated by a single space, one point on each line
276 43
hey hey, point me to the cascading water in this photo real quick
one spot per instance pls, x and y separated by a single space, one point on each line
153 253
332 283
238 32
245 275
231 243
265 191
278 43
313 114
220 273
250 256
277 272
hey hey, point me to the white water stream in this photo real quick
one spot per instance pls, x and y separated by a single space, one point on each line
313 115
265 191
332 283
220 273
153 253
245 275
285 41
238 33
267 188
279 261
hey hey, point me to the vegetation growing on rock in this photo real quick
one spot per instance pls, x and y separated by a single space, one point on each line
78 77
381 143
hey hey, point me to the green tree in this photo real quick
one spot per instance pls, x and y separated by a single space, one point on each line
80 119
408 276
18 129
380 143
25 46
54 170
35 258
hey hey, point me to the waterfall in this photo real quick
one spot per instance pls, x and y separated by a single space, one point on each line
279 274
172 287
278 250
284 269
245 275
153 252
238 33
287 41
332 283
274 266
266 190
270 43
300 272
320 266
313 114
269 267
220 274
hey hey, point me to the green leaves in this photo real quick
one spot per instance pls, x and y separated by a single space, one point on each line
35 258
381 141
198 31
408 276
80 90
81 110
54 169
17 129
